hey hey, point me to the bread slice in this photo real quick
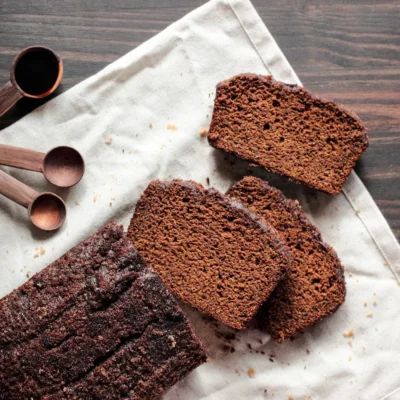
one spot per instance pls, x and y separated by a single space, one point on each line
209 250
95 324
314 286
286 130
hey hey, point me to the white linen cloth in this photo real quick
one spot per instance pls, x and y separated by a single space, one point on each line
152 103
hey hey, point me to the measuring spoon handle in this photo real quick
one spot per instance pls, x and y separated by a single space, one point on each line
16 190
21 158
9 95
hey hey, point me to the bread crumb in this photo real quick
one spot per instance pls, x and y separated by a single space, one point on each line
95 198
350 343
365 304
349 333
203 132
39 252
172 127
172 340
370 315
150 125
251 372
76 203
108 141
350 274
290 397
357 210
308 397
28 274
374 303
398 283
110 204
385 263
349 358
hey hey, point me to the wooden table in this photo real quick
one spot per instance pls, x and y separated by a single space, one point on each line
346 52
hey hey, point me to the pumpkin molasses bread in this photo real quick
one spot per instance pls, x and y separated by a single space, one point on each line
95 324
209 250
314 286
286 130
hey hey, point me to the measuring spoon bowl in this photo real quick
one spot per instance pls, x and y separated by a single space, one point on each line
47 211
63 166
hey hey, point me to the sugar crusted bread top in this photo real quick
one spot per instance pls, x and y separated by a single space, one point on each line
96 323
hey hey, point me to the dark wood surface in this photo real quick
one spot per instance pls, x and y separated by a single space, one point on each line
348 51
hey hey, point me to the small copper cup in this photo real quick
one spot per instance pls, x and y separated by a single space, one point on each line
35 72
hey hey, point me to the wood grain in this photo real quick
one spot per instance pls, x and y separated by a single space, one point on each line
348 51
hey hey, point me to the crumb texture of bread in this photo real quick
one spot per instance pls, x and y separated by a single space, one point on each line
287 131
210 251
95 324
314 286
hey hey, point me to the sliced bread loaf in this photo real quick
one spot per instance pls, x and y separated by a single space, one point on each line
95 324
314 286
209 250
286 130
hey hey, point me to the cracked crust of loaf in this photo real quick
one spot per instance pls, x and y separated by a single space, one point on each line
227 126
201 253
315 268
94 324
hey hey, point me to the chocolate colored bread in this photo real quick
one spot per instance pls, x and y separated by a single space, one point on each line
210 251
314 286
286 130
95 324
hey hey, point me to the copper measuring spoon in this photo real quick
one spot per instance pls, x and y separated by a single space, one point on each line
46 210
62 166
35 72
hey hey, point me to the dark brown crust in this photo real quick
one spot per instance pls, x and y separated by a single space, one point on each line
269 313
175 257
73 330
213 137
